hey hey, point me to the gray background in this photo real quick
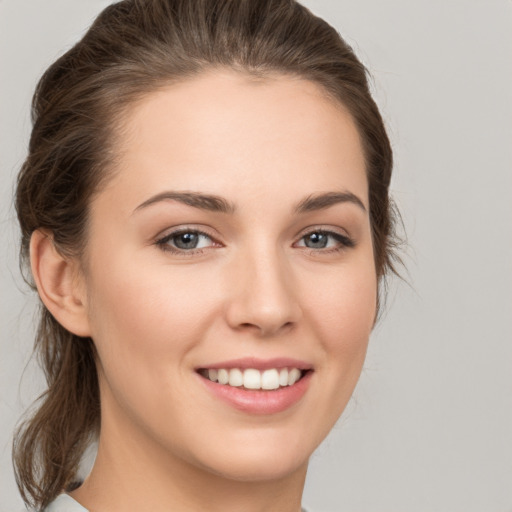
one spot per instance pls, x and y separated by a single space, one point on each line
430 425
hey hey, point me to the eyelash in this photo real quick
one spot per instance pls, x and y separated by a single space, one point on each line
344 242
163 243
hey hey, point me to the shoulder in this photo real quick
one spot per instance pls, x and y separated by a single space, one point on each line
64 503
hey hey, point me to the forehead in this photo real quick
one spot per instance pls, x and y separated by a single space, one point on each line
227 133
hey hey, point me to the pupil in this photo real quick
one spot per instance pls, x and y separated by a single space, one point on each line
316 240
186 241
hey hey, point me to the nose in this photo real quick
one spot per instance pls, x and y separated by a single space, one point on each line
263 296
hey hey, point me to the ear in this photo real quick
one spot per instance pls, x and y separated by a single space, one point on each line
59 283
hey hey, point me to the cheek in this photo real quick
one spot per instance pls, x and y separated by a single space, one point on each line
137 298
345 309
144 320
344 315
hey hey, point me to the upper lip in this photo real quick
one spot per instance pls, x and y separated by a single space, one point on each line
258 364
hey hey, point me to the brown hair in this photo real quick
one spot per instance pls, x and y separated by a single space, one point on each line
135 47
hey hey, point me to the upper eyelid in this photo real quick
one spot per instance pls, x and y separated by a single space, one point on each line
180 232
176 230
323 229
206 231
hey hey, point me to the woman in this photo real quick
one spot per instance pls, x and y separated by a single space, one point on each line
205 211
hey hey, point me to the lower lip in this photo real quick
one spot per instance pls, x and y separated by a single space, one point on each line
260 401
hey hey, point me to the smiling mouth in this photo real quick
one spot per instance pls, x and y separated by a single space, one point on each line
253 379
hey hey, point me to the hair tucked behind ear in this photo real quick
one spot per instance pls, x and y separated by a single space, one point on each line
133 48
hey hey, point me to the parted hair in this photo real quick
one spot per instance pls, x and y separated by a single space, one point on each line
133 48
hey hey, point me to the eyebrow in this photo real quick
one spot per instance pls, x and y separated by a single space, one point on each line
197 200
218 204
316 202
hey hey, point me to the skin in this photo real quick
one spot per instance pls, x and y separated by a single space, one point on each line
254 289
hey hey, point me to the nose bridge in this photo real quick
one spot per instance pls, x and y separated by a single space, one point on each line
264 297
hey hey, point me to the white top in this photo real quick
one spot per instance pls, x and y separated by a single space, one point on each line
65 503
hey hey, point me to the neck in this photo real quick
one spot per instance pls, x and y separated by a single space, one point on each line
131 474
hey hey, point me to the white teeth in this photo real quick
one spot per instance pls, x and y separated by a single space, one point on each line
293 376
270 379
223 376
283 377
236 377
254 379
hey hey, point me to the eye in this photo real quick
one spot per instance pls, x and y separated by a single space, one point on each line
185 240
321 239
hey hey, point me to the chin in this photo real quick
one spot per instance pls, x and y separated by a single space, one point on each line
258 459
262 469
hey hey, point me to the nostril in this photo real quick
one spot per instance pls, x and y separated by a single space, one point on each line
248 326
266 329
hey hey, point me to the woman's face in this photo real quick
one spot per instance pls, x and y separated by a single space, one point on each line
233 243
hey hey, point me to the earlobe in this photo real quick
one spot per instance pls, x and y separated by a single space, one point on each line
58 284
